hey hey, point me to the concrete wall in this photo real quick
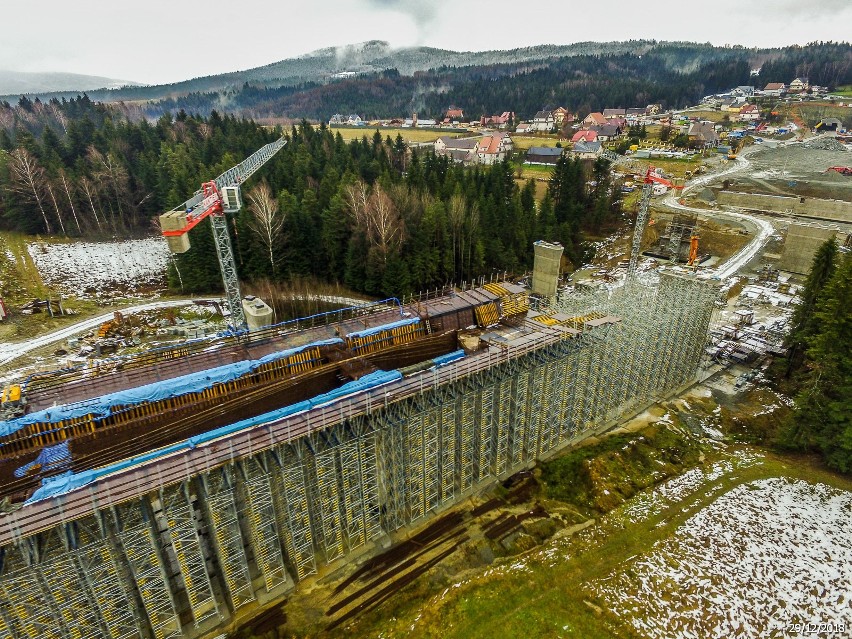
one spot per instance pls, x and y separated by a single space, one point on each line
811 207
801 246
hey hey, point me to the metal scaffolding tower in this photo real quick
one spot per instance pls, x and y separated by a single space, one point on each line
196 550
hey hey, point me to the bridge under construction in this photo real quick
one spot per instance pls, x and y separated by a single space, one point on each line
166 494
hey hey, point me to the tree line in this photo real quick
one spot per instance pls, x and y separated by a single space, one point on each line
818 366
385 221
78 168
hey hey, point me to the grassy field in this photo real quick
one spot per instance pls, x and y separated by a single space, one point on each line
524 142
409 135
845 91
707 114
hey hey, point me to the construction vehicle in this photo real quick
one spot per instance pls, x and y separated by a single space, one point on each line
843 170
12 402
652 177
215 199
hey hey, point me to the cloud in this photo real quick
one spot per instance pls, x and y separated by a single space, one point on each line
423 13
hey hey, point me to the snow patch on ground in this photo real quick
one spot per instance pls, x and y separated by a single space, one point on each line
761 556
652 502
102 268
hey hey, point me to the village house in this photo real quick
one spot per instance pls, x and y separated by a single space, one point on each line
609 114
523 127
493 148
454 114
543 155
561 116
487 149
499 121
457 149
542 121
703 134
606 132
594 118
775 88
346 120
749 113
584 135
744 91
653 109
799 85
733 105
587 150
633 117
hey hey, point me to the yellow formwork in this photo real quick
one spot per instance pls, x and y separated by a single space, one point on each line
486 315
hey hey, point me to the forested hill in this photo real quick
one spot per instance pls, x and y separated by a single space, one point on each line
674 75
374 57
582 77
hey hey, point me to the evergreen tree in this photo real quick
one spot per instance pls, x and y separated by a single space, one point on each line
805 323
823 416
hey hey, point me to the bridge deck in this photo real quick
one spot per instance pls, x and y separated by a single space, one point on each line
138 480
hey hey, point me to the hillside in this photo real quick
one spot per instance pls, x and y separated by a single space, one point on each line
19 82
376 81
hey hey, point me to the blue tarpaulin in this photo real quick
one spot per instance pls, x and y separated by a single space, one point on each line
194 382
449 358
50 458
384 327
60 485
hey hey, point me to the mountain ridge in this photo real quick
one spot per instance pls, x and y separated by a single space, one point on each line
27 82
372 56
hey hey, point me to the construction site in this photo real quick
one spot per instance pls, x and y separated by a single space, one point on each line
168 491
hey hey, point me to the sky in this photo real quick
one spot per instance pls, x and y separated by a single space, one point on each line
162 41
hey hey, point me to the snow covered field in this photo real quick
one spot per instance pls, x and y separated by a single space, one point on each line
763 556
102 268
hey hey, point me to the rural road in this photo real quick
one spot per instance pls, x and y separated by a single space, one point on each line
763 228
11 351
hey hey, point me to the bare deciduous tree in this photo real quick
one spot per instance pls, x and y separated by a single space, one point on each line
55 206
64 179
108 168
267 220
378 217
28 180
91 194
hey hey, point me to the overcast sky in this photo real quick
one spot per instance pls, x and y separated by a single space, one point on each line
165 41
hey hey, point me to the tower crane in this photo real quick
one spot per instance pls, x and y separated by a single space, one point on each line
651 178
214 200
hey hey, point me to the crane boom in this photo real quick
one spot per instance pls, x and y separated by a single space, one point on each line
651 178
213 200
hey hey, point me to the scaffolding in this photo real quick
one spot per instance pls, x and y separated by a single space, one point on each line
193 550
98 565
179 513
328 491
133 526
262 520
227 537
296 522
485 452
